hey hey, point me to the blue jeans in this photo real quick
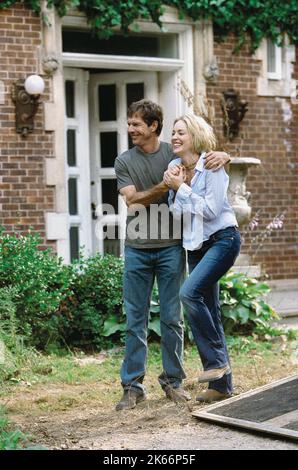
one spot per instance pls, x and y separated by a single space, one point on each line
141 268
200 297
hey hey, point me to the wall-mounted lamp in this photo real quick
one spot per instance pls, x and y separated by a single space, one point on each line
234 110
25 95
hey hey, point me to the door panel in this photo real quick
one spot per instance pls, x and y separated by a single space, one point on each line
109 97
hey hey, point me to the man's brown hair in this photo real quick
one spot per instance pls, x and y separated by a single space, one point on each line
148 111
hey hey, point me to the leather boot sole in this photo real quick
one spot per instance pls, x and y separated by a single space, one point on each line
214 374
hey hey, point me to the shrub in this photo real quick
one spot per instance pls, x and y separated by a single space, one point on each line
38 283
46 304
93 312
244 310
243 306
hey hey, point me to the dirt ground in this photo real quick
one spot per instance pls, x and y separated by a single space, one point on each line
57 417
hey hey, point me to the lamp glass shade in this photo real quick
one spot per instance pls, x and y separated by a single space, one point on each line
34 85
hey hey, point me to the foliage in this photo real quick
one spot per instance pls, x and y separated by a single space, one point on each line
93 311
8 320
243 306
33 284
44 303
9 440
245 18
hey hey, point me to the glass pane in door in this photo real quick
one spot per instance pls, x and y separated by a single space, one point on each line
107 102
71 147
111 243
109 193
108 148
72 196
74 243
70 98
134 92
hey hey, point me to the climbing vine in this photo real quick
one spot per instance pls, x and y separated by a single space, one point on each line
247 19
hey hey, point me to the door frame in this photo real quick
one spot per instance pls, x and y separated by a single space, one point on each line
170 73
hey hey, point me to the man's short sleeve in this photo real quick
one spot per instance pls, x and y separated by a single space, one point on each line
123 176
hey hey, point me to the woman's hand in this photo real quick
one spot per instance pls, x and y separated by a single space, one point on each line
174 177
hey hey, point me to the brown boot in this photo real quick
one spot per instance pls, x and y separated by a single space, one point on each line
214 374
129 400
210 395
176 394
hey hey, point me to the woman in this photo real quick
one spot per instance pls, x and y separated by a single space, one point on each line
211 237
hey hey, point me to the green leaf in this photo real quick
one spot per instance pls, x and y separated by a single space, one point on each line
154 325
112 326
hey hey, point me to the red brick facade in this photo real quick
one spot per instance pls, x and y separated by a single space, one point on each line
264 134
24 196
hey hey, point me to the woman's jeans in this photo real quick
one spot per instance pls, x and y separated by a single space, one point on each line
200 297
141 268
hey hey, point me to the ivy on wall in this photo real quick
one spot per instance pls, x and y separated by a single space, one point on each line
253 19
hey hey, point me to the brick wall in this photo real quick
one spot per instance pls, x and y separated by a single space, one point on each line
24 198
265 135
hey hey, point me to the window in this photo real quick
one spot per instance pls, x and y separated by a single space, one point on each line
153 45
273 60
276 71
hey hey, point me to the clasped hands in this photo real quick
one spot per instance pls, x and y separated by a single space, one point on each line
174 177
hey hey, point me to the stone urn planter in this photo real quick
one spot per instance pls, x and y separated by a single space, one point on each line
238 196
239 199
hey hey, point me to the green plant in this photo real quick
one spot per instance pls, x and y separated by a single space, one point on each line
9 440
9 324
243 306
33 284
93 311
254 19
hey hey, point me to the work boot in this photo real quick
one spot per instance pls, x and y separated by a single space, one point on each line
129 400
176 394
210 396
214 374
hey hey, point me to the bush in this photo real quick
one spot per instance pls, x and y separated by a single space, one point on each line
93 312
244 310
38 283
243 307
46 304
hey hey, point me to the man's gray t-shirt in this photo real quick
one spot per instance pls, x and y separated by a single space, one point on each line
152 227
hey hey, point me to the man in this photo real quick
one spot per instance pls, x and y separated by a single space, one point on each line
152 251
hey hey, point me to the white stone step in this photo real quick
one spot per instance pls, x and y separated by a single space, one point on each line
284 296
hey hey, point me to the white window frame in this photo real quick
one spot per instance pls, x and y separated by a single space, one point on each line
280 83
277 74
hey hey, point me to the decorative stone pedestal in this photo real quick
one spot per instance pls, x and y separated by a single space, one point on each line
239 199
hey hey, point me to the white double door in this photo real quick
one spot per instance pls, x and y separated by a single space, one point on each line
105 109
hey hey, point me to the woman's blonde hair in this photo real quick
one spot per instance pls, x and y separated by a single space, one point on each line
201 133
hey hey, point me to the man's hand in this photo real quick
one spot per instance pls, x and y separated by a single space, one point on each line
215 160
